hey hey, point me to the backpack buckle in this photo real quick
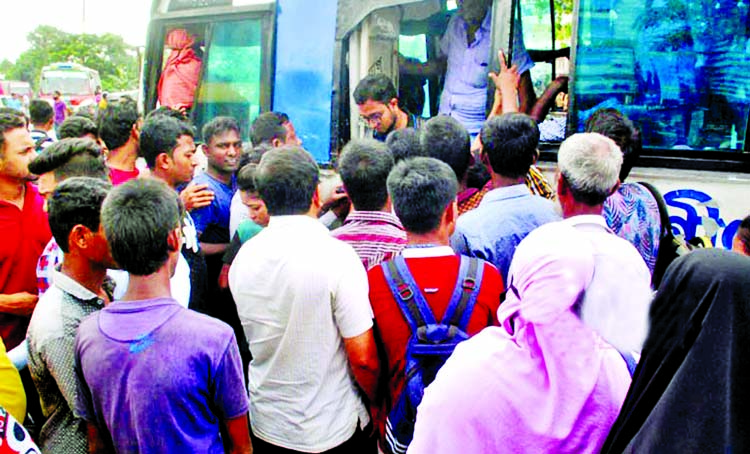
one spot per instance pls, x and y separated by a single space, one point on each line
405 292
469 284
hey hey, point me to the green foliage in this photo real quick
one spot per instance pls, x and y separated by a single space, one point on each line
116 61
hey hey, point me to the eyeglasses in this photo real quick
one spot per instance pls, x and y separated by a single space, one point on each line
372 119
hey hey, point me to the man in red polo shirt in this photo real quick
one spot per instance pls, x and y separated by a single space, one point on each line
423 193
23 227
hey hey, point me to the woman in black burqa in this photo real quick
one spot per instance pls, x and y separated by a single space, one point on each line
691 390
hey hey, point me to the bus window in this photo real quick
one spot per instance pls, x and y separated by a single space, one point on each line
232 75
546 29
183 61
680 69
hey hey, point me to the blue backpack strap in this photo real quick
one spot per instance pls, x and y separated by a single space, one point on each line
630 362
465 293
407 294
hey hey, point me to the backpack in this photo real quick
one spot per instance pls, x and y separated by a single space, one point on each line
431 343
671 246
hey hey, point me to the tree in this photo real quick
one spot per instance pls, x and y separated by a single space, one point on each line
116 61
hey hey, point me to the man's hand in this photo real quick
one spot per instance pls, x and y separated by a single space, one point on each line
224 277
22 303
338 203
196 196
506 87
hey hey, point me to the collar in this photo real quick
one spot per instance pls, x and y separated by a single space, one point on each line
73 288
596 220
483 29
373 216
296 220
124 307
466 194
425 252
232 184
507 192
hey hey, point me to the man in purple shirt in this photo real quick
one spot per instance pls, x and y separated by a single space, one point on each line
154 376
371 228
61 109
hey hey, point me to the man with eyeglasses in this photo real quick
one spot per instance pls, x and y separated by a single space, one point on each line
378 106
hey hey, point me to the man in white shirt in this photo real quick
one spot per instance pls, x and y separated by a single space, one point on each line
618 299
302 298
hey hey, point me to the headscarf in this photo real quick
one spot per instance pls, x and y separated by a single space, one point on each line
541 382
181 72
690 390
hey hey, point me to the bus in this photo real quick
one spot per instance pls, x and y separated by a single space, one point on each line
77 83
679 69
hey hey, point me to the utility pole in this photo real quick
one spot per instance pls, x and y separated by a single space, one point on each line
83 16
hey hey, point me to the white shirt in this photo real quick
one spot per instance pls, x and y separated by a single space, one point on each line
238 212
618 299
299 293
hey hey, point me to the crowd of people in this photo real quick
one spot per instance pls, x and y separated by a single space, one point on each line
164 294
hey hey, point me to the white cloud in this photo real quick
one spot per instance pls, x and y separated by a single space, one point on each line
127 18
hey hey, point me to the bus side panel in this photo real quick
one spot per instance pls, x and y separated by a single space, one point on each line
700 202
305 33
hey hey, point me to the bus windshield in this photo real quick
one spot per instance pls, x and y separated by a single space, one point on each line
66 82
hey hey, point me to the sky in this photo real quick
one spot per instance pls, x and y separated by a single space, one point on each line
127 18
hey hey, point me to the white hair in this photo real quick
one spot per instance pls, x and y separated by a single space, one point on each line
590 163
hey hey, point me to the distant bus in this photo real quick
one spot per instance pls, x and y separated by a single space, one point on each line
76 82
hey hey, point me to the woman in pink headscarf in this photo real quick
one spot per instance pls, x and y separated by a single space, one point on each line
181 72
542 381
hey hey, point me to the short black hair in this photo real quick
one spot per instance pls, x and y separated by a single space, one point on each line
265 128
404 143
446 139
612 123
40 111
246 178
169 112
510 142
282 116
377 87
138 217
77 126
744 234
71 158
364 166
116 122
219 125
421 189
287 178
76 201
159 135
8 122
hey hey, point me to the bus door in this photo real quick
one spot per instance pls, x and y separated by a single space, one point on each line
225 50
374 35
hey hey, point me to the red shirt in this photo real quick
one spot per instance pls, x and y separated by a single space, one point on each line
119 177
24 236
435 273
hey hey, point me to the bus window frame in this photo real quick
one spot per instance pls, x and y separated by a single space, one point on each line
655 157
266 13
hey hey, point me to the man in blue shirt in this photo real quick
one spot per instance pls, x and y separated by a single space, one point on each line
465 59
223 146
509 211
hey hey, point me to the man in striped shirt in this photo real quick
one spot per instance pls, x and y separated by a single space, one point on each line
371 228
